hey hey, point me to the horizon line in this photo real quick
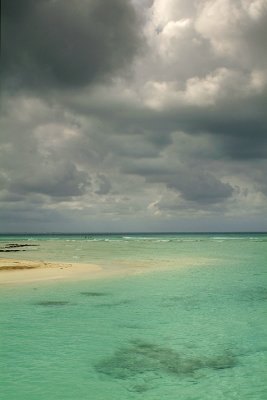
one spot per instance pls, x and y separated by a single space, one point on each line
128 232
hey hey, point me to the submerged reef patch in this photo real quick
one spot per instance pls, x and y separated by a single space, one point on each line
51 303
132 326
141 358
94 294
258 293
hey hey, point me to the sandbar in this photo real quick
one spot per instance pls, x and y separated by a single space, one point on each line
18 271
13 271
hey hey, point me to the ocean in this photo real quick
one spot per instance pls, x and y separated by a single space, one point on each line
190 324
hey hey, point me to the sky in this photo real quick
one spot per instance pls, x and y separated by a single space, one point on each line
133 115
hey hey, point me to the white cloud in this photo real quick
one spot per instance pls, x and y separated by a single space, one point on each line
227 24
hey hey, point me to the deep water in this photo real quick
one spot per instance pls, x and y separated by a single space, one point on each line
192 333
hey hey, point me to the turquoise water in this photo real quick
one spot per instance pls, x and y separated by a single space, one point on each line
192 333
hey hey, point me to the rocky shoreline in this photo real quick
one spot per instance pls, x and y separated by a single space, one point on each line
14 247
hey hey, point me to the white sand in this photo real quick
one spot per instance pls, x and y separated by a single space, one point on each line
22 271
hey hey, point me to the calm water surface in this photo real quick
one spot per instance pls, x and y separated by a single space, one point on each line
192 333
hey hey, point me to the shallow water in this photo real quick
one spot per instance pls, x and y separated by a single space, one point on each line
198 332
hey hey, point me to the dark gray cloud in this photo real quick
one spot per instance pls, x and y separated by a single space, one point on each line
98 134
66 44
60 179
194 183
239 128
201 187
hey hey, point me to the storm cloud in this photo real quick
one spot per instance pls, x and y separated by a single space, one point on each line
133 115
59 43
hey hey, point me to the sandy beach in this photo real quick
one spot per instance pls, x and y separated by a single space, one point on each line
24 271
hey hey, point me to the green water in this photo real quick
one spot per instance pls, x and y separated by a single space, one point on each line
192 333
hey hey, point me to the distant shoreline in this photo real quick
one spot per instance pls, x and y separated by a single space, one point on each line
131 233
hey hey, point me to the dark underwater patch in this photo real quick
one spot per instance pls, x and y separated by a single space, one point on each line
94 294
132 326
256 294
140 358
140 388
52 303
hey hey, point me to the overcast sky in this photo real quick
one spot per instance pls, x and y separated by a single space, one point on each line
139 115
